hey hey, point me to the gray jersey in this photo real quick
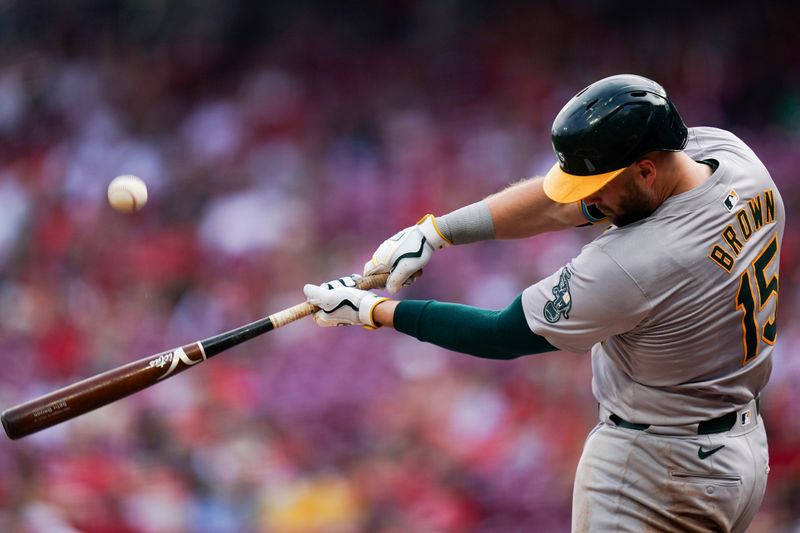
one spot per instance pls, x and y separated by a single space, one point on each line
678 308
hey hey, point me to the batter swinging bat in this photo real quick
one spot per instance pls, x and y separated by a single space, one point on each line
102 389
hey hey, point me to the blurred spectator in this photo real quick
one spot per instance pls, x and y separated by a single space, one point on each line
250 121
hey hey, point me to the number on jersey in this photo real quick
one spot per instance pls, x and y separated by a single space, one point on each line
765 276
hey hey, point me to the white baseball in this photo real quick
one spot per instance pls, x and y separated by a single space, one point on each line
127 193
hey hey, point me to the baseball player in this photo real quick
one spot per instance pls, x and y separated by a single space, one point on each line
676 300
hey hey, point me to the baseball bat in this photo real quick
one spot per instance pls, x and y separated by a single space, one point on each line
94 392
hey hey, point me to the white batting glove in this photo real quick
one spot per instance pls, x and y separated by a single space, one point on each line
341 304
406 253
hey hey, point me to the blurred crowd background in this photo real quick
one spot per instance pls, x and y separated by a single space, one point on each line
282 142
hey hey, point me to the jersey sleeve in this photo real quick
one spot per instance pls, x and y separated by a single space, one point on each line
586 301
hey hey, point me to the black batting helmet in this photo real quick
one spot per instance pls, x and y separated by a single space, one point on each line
607 127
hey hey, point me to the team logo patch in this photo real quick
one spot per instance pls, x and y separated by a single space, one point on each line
746 417
562 304
731 200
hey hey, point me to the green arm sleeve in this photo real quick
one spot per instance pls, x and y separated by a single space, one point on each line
480 332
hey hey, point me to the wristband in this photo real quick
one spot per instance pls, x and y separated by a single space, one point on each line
365 309
471 223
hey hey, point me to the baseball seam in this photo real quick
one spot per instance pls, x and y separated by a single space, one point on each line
122 188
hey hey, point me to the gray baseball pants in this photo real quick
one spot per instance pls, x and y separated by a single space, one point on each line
631 480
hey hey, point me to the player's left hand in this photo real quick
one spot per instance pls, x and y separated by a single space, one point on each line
341 304
405 253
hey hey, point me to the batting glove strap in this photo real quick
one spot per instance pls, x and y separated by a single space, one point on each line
433 235
366 309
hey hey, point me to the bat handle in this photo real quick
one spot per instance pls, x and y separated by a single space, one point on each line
296 312
375 281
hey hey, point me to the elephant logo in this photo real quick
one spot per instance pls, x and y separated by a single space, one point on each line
562 304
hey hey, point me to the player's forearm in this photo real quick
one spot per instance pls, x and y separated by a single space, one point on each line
520 210
523 210
480 332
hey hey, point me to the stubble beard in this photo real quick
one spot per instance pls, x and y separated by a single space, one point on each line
635 206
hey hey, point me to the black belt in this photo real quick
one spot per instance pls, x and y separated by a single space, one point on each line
715 425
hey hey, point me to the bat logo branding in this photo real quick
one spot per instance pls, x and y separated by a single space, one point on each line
173 358
101 389
562 304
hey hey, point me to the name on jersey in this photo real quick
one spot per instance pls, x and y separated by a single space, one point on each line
753 216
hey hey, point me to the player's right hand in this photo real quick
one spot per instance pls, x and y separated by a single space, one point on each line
342 304
406 253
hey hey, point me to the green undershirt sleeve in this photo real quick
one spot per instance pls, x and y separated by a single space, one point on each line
480 332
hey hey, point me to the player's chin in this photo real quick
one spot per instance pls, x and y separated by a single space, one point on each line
610 214
629 217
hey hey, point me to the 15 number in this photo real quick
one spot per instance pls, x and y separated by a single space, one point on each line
766 286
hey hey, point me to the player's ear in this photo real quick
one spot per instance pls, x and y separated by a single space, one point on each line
646 170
